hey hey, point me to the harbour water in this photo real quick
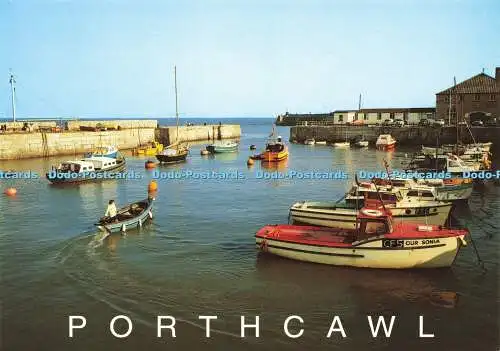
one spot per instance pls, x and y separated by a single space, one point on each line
198 257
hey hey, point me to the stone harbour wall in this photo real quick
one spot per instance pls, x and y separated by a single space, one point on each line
27 145
115 124
168 135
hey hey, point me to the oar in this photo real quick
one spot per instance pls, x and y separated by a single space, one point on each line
108 231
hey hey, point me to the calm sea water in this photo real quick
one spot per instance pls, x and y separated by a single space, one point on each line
198 258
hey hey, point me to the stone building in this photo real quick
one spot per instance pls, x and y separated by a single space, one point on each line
475 98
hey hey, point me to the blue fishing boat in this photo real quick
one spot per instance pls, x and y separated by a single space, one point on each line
129 217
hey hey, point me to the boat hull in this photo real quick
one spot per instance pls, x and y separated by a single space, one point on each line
439 253
328 215
269 156
215 149
345 145
458 192
129 224
87 176
386 147
361 144
181 157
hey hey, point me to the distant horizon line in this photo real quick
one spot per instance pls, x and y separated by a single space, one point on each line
19 119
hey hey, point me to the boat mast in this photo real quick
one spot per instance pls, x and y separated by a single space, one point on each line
12 81
456 114
176 105
449 109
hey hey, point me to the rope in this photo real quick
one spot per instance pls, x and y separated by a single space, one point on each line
480 262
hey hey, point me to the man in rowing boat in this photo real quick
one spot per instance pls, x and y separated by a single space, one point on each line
111 211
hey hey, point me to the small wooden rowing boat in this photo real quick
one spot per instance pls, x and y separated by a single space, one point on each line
222 147
375 242
129 217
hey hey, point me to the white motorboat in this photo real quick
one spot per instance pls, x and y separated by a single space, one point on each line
343 215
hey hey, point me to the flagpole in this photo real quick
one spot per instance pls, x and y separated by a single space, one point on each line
12 81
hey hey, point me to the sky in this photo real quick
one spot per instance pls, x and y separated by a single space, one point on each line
254 58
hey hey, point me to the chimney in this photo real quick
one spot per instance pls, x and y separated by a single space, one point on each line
497 74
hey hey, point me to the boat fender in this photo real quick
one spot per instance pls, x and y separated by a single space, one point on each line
140 223
124 228
150 215
462 240
373 213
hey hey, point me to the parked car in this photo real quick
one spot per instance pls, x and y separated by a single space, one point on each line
491 122
399 123
439 122
462 123
477 123
388 122
424 122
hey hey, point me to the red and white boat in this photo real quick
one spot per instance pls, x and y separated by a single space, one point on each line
376 243
385 142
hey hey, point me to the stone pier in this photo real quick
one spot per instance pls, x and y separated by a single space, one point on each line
168 135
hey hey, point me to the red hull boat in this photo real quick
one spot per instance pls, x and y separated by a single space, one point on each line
377 243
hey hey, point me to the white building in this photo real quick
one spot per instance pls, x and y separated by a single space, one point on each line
344 116
408 115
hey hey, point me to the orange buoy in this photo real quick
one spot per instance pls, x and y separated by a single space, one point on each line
250 161
10 191
152 186
149 164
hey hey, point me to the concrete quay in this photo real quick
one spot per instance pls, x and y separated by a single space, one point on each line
408 136
412 135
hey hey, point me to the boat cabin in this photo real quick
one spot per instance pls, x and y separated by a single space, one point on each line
75 167
425 194
101 163
275 145
373 222
447 163
385 139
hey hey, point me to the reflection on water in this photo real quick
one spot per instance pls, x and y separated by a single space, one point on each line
275 166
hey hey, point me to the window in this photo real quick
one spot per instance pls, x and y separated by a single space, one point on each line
446 98
341 118
493 97
477 97
375 228
366 117
379 116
